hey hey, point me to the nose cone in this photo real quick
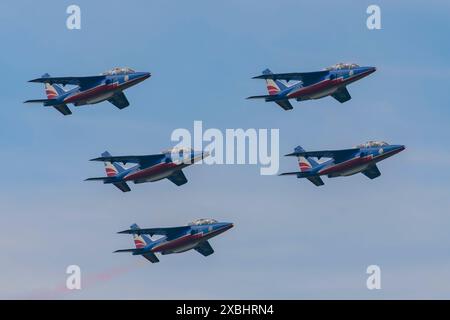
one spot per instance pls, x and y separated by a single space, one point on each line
226 226
144 75
394 149
367 70
141 76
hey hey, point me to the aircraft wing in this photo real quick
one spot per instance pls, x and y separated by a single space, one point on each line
342 95
76 81
335 154
204 248
178 178
372 172
119 100
142 160
306 77
169 232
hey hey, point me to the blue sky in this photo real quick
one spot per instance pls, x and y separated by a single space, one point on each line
291 240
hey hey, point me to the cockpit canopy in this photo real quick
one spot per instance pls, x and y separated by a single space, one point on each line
184 150
340 66
202 222
372 144
118 71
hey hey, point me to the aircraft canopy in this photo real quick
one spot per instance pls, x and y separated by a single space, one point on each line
340 66
177 150
118 71
201 222
373 144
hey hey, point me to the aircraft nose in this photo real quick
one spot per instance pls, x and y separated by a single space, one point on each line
146 75
367 70
227 225
370 70
397 148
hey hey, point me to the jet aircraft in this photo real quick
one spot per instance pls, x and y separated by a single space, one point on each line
175 239
89 90
148 168
332 81
361 159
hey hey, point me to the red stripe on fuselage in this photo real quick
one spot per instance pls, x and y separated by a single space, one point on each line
151 171
324 85
188 239
102 89
90 93
344 166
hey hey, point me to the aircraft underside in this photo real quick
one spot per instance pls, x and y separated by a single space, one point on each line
182 248
94 100
154 177
321 93
349 172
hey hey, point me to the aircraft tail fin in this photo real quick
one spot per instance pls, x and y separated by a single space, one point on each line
52 90
273 86
305 164
140 240
112 168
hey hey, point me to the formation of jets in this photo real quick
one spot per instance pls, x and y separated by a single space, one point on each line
168 164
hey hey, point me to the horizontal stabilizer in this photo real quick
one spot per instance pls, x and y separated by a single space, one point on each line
299 174
314 178
44 101
105 179
260 97
150 256
134 250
